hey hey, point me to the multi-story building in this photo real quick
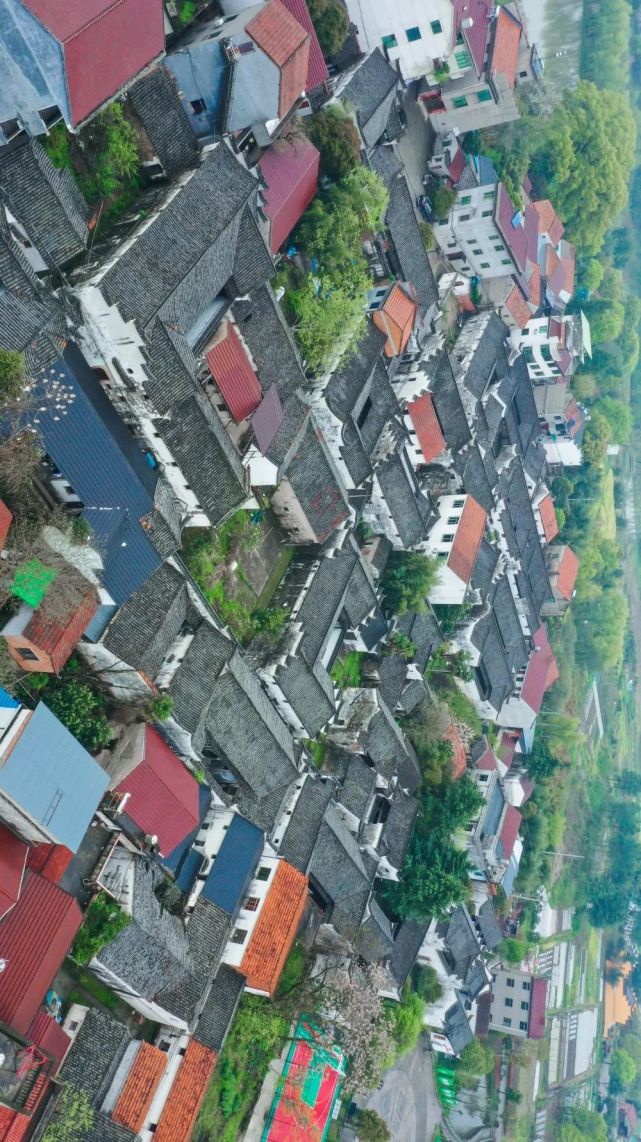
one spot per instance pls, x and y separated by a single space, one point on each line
484 233
412 34
518 1003
554 346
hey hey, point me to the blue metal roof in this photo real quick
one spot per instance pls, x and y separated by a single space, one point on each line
235 865
174 860
7 701
494 810
510 875
191 867
103 463
53 778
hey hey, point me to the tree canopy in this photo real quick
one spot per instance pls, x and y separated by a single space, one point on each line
408 578
435 875
331 22
12 375
334 134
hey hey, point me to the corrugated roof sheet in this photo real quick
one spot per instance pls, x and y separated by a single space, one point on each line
538 1002
509 831
233 373
279 34
476 35
105 44
163 794
267 419
396 319
290 169
276 929
58 636
181 1109
13 859
511 226
35 937
46 1033
235 865
140 1087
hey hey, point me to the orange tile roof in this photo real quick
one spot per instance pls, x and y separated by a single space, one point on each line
276 929
286 42
13 1125
467 540
616 1007
58 636
428 430
567 572
459 758
6 518
181 1109
518 307
548 517
396 318
507 38
553 673
140 1087
533 274
549 221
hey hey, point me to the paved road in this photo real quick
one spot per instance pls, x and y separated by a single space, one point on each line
415 145
407 1100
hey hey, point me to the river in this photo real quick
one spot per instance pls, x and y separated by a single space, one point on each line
555 26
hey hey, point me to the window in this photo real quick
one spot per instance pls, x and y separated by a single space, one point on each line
509 1002
238 936
485 265
509 982
526 985
27 653
251 904
486 214
435 25
507 1022
489 195
477 251
448 537
458 503
522 1026
198 106
506 261
465 200
389 42
414 34
525 1005
460 101
263 873
484 95
453 519
499 249
463 59
464 218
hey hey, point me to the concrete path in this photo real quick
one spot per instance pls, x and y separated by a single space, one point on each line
407 1100
416 143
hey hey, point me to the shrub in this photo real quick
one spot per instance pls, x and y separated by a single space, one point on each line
331 22
335 136
425 981
81 710
114 143
371 1127
347 672
104 919
408 1020
399 643
443 200
12 376
160 708
408 578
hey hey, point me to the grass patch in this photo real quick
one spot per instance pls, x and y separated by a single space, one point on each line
556 830
347 671
294 970
459 705
104 919
318 749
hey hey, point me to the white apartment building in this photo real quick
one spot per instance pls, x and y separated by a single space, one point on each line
483 234
412 33
553 346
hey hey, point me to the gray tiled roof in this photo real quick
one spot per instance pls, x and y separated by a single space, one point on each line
349 912
397 830
384 161
104 1129
164 523
423 630
407 944
409 508
412 256
371 92
477 365
487 639
504 607
360 597
461 941
220 1007
305 822
270 342
292 428
192 684
384 407
484 568
457 1027
324 599
185 256
470 467
95 1055
357 785
262 811
384 741
317 485
154 97
514 490
253 264
448 405
349 384
489 925
309 690
375 940
45 200
148 623
413 694
208 930
31 321
337 863
392 672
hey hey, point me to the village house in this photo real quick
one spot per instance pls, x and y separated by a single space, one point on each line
518 1003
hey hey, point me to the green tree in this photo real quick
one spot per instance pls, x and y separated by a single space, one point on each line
513 1094
443 200
512 950
475 1060
591 274
408 1020
630 782
597 437
622 1069
569 1133
81 710
333 133
113 141
73 1117
331 22
435 876
408 578
606 317
591 1124
371 1127
426 984
160 707
12 376
618 416
602 621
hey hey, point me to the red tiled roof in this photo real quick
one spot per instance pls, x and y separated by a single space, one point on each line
459 757
457 165
51 861
476 35
233 373
505 52
531 222
317 73
507 748
164 795
276 929
573 418
267 419
282 38
6 518
487 762
568 570
518 307
181 1109
528 786
58 637
467 540
538 1002
105 43
13 1125
510 831
562 280
538 668
428 430
533 274
290 170
13 858
549 221
49 1035
396 318
140 1087
35 937
509 222
548 518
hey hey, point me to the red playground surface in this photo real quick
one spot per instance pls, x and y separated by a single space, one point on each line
303 1104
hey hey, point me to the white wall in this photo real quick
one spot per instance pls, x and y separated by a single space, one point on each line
472 231
378 18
